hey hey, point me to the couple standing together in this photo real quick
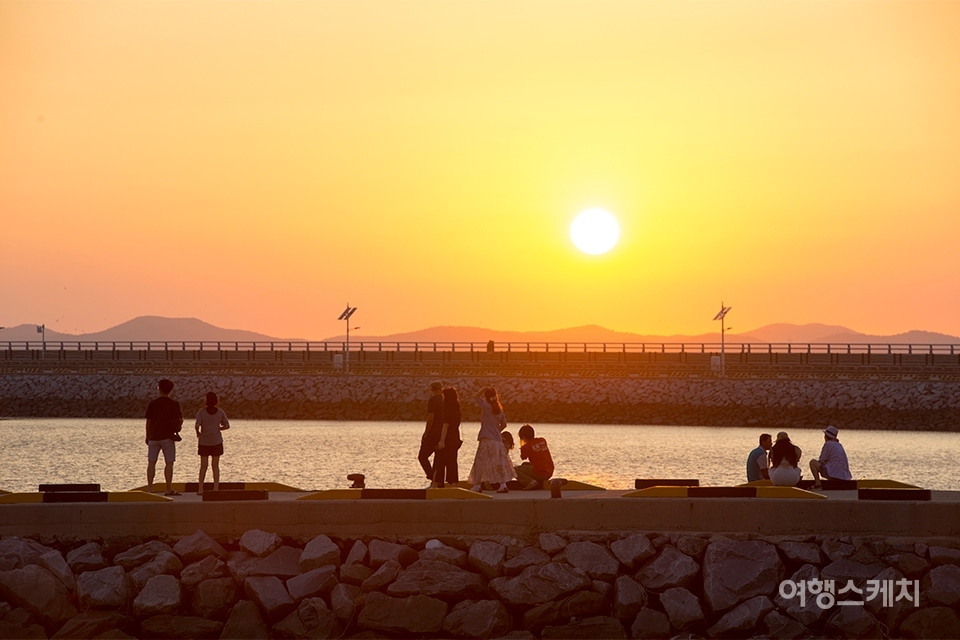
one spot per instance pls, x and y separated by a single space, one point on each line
492 463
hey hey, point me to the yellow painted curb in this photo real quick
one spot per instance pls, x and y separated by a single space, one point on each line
788 492
456 493
575 485
21 498
333 494
136 496
657 492
251 486
884 484
757 483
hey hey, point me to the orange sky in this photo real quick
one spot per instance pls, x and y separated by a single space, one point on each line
260 164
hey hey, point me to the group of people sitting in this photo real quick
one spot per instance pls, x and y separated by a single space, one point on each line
492 464
779 461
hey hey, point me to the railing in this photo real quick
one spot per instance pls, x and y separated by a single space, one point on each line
548 347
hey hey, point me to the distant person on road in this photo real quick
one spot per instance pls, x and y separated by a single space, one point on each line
758 463
431 430
784 462
492 462
211 420
164 421
445 461
832 463
539 466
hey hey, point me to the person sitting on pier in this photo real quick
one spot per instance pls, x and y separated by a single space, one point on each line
832 463
758 463
784 461
540 466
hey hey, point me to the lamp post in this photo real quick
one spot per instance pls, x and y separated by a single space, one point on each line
349 311
723 330
42 330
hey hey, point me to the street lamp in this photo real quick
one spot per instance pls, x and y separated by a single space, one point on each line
723 330
42 330
349 311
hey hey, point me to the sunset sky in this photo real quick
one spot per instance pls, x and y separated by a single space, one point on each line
261 164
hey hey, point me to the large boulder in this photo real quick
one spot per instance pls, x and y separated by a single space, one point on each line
197 547
260 543
446 553
316 582
681 606
53 562
109 588
842 571
39 592
528 557
355 574
284 563
436 579
942 585
417 614
892 611
650 624
319 552
539 584
92 624
16 553
381 551
736 570
270 595
140 554
593 559
214 598
628 598
944 555
600 627
487 557
245 621
161 594
186 627
582 604
343 601
802 605
633 550
931 622
311 619
551 543
206 569
478 619
669 569
164 563
777 625
382 577
88 557
693 546
241 564
853 621
743 619
909 564
801 552
358 553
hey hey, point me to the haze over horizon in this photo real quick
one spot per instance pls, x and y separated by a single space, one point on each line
263 163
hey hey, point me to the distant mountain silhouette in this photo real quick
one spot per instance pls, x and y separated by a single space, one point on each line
160 329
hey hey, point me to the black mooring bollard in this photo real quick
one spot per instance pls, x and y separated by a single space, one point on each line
357 479
555 485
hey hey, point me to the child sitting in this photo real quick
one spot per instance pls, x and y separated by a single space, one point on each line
540 468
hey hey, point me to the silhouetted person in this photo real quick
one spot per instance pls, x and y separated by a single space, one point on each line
492 462
539 466
445 462
785 461
832 463
211 420
432 429
164 419
758 463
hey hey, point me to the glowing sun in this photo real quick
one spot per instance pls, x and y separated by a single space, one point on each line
594 231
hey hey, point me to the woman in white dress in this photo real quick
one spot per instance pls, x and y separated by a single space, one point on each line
492 463
785 460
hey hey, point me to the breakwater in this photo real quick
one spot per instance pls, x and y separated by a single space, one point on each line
562 584
873 404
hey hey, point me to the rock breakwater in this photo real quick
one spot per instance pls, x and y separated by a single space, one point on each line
559 585
874 404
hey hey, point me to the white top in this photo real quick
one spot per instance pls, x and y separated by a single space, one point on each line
834 458
209 425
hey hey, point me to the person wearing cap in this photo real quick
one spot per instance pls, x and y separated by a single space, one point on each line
832 463
784 462
758 462
432 430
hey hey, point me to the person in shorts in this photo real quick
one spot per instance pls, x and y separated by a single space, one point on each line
164 420
211 420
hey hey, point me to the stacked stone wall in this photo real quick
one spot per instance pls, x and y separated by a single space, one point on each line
559 585
873 404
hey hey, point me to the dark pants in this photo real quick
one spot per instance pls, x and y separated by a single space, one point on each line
445 464
526 474
427 448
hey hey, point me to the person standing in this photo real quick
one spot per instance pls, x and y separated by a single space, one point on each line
758 463
445 462
211 420
432 430
164 420
832 463
492 462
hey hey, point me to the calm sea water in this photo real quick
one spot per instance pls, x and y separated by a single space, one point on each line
319 454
